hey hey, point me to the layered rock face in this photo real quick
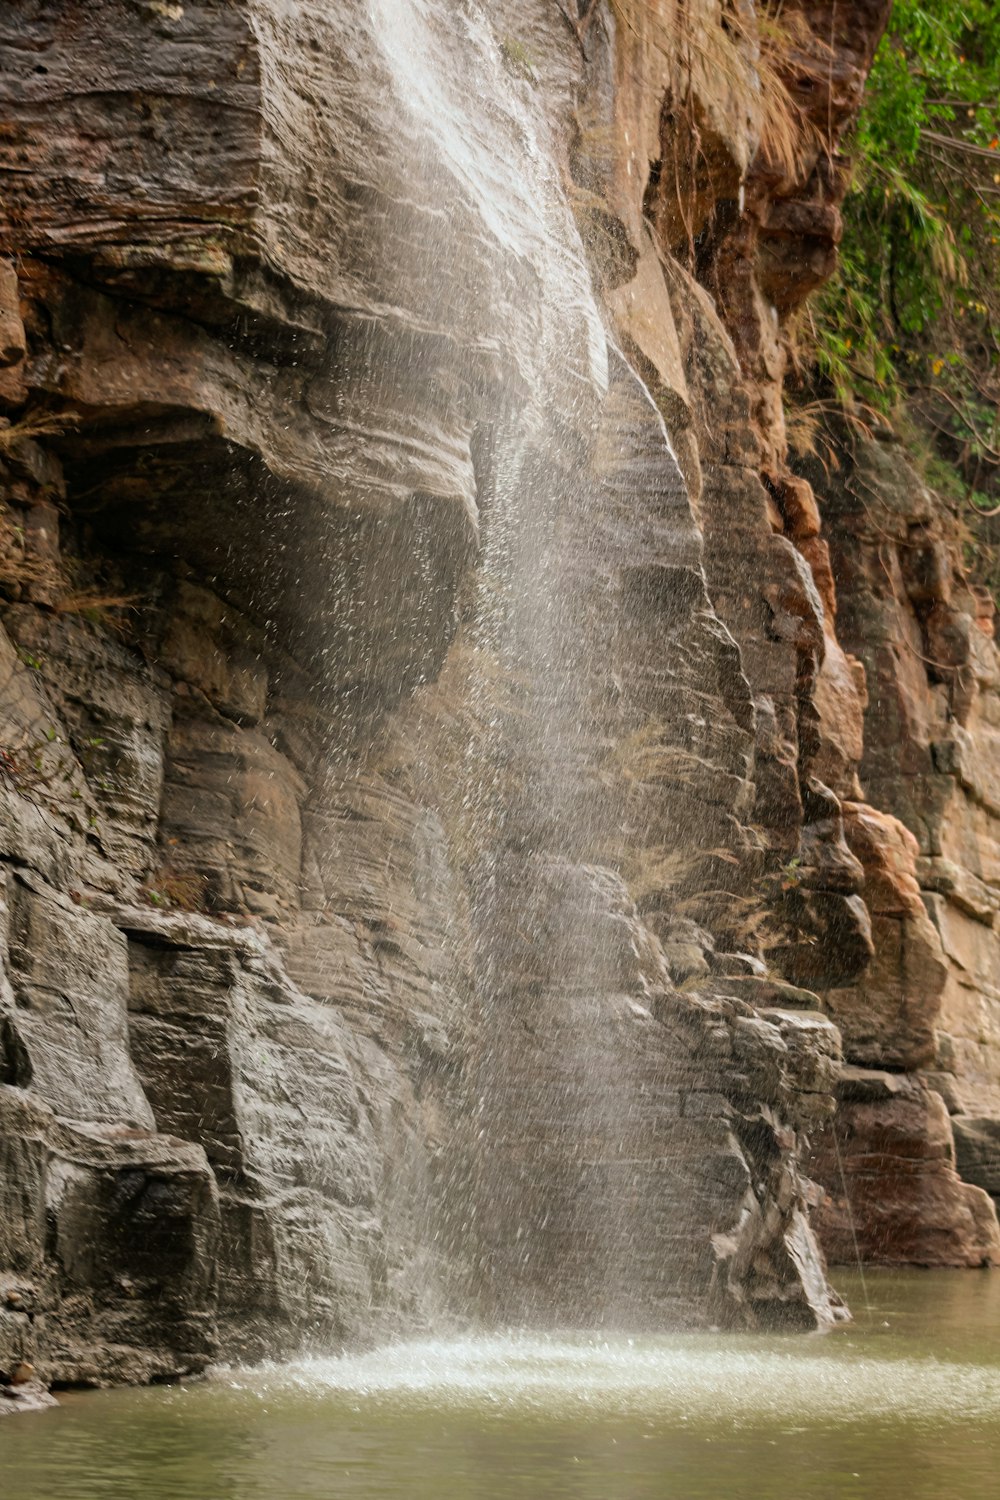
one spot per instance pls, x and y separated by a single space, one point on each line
419 661
920 1026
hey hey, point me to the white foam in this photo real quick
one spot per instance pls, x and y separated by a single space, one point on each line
683 1378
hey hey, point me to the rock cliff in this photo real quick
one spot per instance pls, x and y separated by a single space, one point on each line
433 846
920 1026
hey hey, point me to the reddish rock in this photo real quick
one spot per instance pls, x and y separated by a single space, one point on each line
327 371
889 1017
799 508
892 1192
930 999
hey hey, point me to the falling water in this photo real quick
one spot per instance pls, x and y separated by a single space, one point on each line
539 764
583 1196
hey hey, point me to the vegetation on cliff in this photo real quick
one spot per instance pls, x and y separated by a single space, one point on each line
912 318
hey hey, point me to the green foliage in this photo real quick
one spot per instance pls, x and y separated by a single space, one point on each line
914 311
910 325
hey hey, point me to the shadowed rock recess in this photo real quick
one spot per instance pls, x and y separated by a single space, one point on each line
432 841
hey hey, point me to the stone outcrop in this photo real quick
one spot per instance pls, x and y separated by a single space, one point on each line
927 1006
893 1193
430 753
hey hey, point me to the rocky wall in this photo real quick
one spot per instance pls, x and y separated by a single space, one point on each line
425 722
920 1103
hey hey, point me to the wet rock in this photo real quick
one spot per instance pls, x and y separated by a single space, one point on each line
763 991
68 974
687 949
799 508
870 1085
892 1190
285 826
24 1395
85 1205
977 1152
890 1017
929 998
13 345
831 938
739 964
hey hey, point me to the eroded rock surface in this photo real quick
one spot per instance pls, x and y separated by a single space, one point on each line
927 1005
893 1192
430 753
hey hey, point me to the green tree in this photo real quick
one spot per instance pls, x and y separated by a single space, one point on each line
912 316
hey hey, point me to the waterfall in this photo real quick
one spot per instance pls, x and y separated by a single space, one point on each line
598 1159
412 820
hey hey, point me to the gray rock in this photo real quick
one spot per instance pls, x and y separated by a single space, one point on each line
387 706
977 1152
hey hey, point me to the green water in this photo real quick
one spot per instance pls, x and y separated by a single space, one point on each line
904 1405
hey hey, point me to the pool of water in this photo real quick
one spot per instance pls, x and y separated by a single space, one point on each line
903 1405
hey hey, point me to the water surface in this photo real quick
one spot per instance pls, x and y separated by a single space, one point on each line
904 1405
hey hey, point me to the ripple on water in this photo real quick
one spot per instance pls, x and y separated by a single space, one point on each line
683 1378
